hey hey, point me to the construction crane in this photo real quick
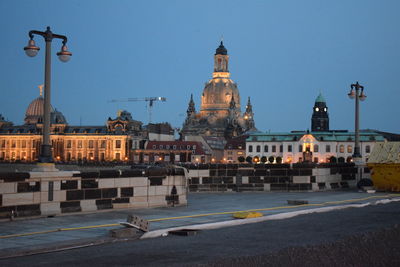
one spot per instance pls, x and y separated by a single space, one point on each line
150 102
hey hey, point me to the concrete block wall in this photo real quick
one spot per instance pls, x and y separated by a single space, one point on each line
52 193
271 177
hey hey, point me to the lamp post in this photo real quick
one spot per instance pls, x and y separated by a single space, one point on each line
358 96
31 50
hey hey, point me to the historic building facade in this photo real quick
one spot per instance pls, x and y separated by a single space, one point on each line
220 113
114 141
321 145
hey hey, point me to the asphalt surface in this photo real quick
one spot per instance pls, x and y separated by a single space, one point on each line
225 244
207 246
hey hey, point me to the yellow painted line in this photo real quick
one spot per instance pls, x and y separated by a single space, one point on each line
201 215
28 234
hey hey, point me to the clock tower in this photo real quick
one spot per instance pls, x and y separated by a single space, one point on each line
320 117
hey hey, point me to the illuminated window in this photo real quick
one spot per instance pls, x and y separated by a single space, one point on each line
117 143
91 144
103 144
23 144
80 145
69 143
341 149
117 156
349 149
3 143
13 144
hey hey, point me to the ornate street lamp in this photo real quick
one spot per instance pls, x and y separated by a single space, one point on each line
357 95
64 55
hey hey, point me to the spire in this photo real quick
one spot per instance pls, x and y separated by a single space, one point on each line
232 104
320 99
191 107
249 107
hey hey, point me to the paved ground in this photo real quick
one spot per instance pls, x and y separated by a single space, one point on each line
223 247
199 203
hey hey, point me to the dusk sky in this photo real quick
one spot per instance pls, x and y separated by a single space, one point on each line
282 55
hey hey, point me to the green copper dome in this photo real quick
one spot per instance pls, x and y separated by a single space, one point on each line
320 99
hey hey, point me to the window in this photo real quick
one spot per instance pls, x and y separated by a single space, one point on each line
69 143
154 146
281 148
102 157
188 147
328 148
79 156
117 155
194 146
289 148
161 147
300 148
13 143
274 148
349 149
250 148
258 148
23 144
91 156
174 146
316 148
91 144
69 156
367 149
80 145
266 148
3 143
229 152
117 143
315 160
167 146
33 145
103 144
341 149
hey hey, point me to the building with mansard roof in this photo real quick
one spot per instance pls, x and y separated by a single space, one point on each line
114 141
220 111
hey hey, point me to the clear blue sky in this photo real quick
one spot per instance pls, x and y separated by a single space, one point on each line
282 54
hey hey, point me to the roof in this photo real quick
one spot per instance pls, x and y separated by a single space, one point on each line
221 50
237 143
320 136
320 99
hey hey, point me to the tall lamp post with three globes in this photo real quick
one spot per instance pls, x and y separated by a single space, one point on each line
64 55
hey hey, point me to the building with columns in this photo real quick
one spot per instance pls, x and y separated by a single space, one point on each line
321 145
220 111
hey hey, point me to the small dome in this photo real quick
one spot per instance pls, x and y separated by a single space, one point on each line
221 50
320 99
35 111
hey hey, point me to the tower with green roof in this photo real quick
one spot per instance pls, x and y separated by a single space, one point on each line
320 117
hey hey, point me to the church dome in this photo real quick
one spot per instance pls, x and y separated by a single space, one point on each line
34 112
217 95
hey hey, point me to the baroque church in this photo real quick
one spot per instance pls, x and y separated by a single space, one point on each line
220 112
